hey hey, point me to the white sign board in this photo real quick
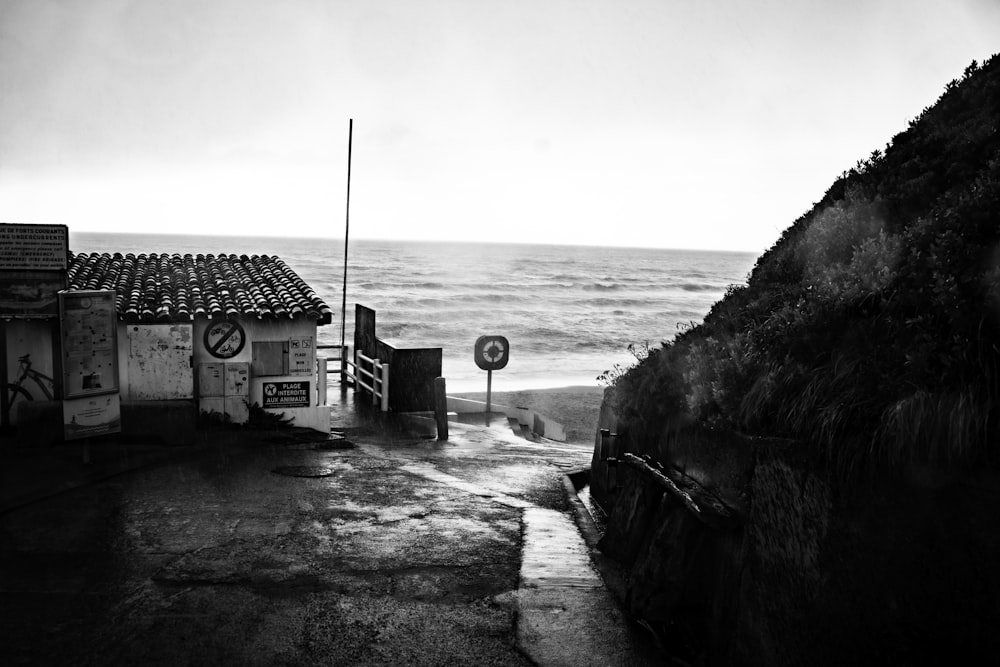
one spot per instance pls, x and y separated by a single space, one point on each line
301 356
34 247
91 416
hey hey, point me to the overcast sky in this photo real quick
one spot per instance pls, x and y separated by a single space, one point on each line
661 123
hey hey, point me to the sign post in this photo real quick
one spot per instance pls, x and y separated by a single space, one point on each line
491 354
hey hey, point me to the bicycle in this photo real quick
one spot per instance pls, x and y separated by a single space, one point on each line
24 372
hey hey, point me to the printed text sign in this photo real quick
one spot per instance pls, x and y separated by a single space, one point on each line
34 247
286 394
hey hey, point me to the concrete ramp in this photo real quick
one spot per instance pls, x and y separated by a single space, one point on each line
565 615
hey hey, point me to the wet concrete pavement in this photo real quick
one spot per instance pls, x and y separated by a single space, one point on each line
409 551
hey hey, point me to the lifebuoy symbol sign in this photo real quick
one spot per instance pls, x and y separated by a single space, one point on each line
492 352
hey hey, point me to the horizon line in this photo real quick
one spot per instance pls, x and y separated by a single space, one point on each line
426 241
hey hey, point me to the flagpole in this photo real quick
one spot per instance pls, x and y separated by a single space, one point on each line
347 234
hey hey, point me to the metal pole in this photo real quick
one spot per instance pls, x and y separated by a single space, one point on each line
347 234
489 390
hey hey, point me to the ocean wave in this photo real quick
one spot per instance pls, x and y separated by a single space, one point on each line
387 286
453 302
699 287
618 303
509 287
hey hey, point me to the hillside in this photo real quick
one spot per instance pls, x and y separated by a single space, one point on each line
871 329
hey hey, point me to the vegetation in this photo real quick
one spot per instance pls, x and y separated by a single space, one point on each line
871 329
260 419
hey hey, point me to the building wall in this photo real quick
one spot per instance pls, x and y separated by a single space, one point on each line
155 361
278 331
36 337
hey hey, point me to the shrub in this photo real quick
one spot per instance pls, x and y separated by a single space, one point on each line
871 329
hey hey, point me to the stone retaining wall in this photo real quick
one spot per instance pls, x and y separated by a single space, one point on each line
888 571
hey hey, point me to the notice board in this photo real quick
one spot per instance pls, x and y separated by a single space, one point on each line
89 332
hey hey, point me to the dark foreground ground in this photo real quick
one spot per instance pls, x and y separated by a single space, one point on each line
405 551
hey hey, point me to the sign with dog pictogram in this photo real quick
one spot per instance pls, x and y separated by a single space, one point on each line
286 394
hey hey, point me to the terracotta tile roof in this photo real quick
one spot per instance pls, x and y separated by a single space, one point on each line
171 288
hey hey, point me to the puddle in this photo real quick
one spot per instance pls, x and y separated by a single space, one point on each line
334 444
596 513
435 475
304 471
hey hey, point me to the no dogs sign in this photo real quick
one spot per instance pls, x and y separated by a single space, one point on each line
286 394
492 352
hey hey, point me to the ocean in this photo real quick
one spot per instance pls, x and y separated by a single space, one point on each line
569 312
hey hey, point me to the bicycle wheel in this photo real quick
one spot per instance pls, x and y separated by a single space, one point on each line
15 390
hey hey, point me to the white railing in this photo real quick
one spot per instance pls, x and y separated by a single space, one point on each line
323 370
370 374
375 381
340 356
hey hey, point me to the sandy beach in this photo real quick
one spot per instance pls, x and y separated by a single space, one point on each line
577 408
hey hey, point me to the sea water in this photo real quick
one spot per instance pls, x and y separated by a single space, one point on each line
569 312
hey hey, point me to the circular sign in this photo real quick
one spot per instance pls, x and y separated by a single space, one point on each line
224 340
491 352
